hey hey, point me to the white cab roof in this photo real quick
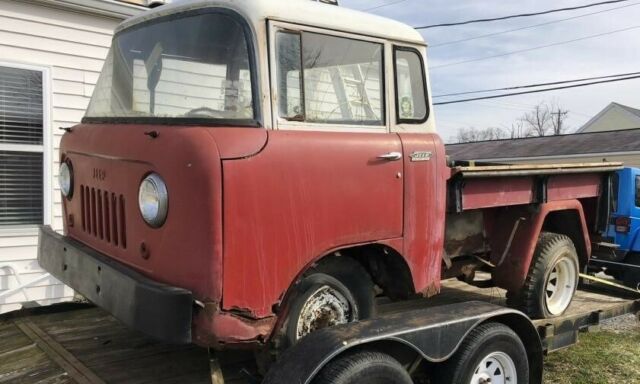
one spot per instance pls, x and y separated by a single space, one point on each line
305 12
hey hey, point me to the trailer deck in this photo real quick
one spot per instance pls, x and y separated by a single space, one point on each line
85 345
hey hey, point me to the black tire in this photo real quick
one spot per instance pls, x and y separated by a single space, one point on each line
356 278
363 367
360 304
531 299
486 339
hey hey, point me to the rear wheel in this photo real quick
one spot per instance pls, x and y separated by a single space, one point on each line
552 279
492 353
364 367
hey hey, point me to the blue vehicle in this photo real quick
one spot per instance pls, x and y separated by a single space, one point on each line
619 252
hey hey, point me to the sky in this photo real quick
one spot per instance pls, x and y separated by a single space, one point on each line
609 54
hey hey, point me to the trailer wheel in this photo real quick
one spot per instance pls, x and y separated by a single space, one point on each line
492 353
552 280
320 301
361 367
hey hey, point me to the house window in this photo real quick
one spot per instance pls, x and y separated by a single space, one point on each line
329 79
21 147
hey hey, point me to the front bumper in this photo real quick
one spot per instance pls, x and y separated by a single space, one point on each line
158 310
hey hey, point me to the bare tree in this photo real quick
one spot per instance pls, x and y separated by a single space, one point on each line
538 121
546 118
516 130
472 134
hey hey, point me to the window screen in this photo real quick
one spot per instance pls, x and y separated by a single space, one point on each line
21 150
342 79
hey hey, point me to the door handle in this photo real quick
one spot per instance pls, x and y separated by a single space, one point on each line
391 156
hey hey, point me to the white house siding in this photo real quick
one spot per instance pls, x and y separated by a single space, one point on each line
70 46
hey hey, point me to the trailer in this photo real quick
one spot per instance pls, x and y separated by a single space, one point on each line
80 343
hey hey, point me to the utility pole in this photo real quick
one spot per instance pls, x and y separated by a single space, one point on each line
560 116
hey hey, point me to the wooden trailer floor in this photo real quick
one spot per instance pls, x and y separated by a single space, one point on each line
87 346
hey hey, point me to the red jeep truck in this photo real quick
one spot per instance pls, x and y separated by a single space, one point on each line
250 171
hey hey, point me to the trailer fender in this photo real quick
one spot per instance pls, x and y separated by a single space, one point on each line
433 333
512 267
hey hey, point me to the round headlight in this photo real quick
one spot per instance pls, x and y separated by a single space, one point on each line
65 179
153 200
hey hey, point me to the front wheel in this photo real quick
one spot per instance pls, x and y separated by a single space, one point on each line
492 353
328 298
552 279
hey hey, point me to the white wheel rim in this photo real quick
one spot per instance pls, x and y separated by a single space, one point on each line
560 285
326 307
495 368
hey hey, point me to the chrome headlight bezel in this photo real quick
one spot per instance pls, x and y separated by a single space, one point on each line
153 200
65 179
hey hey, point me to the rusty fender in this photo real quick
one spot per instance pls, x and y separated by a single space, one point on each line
433 333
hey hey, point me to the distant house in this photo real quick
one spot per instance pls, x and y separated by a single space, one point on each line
613 118
51 53
621 145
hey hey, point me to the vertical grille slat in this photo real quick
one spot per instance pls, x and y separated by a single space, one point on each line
93 212
103 215
123 226
114 218
87 199
107 227
82 208
100 218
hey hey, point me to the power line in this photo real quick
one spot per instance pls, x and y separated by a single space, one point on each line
536 91
383 5
539 84
527 27
534 48
521 15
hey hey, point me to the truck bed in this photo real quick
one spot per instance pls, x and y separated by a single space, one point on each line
85 345
485 185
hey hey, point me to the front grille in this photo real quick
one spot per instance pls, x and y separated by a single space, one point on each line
103 215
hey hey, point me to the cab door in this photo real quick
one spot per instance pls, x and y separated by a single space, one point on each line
330 175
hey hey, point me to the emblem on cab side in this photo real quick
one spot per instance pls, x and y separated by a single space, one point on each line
99 174
420 156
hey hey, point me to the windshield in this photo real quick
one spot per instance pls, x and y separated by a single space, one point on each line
190 67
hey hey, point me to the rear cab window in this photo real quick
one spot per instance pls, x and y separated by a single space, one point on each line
410 90
322 79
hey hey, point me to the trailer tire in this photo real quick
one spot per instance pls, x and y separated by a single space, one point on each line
552 279
319 301
370 367
490 352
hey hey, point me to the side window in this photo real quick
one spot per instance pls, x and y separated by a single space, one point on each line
637 191
341 79
411 93
615 190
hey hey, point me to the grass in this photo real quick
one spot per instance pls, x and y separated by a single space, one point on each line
599 358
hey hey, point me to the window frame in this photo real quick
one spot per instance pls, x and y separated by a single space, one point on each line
280 123
427 113
46 149
636 198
